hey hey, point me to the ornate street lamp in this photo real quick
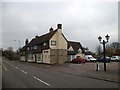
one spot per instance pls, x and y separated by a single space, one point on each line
104 42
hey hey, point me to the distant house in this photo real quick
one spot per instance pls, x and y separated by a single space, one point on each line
50 48
74 49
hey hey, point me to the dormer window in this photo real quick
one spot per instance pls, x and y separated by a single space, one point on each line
35 47
79 50
53 42
44 44
71 49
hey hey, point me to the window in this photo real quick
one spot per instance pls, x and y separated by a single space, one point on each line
79 50
45 51
53 42
28 48
35 47
71 49
38 57
44 44
31 48
30 56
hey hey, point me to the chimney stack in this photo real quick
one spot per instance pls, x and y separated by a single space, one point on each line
36 36
26 42
51 29
59 26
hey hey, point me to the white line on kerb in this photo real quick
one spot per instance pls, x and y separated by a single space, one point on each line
24 71
41 81
5 67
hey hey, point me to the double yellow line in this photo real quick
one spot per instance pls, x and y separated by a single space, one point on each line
4 67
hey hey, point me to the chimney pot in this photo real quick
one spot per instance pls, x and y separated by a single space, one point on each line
51 29
36 36
26 42
59 26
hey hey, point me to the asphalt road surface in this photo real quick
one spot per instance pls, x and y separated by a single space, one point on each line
28 75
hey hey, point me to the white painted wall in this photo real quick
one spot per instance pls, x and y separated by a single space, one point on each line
61 43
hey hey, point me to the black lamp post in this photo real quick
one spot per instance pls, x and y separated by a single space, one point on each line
104 42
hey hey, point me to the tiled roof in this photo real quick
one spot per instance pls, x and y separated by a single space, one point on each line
23 49
41 39
75 45
72 52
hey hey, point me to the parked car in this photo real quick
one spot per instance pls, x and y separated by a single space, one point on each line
115 58
90 58
78 60
101 59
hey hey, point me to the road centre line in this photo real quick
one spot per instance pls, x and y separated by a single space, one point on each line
42 81
24 72
16 67
4 67
12 65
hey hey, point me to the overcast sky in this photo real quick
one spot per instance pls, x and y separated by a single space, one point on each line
82 21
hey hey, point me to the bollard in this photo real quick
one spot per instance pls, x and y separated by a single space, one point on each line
97 67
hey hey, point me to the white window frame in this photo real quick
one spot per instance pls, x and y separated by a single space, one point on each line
44 44
70 48
45 51
35 47
80 51
53 42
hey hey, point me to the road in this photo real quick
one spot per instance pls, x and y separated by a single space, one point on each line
29 75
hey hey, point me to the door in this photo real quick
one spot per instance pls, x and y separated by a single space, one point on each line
35 58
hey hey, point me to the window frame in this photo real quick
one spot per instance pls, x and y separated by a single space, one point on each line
44 44
53 42
35 47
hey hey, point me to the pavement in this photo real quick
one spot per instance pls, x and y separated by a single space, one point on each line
89 70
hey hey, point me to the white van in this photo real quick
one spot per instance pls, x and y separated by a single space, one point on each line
90 58
115 58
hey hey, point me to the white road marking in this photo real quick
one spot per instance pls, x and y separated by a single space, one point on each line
12 65
24 72
5 67
41 81
16 67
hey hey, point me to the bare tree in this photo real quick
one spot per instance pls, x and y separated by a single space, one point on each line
115 45
109 50
98 49
113 49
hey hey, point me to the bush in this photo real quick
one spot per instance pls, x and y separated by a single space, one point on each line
16 57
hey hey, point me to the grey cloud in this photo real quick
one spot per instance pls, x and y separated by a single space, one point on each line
25 20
